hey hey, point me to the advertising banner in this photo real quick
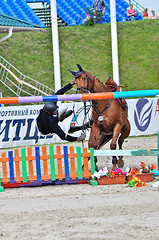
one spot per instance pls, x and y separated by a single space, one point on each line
143 116
18 123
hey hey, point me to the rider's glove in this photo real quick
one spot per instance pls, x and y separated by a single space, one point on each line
82 137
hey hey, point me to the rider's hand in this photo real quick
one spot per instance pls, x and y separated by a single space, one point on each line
73 83
81 137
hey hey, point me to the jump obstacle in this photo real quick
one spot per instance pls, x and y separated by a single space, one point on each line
35 166
38 166
76 97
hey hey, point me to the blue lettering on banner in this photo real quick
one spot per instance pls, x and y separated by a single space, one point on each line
27 136
9 113
34 112
6 129
142 114
19 124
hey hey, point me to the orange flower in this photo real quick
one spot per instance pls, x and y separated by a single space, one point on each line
111 174
134 169
132 172
153 167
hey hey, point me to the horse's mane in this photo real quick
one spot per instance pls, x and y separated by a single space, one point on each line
99 80
96 78
111 83
108 83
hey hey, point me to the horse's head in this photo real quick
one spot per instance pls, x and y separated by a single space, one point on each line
83 80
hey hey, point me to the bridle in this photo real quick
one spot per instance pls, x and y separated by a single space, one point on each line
86 89
94 102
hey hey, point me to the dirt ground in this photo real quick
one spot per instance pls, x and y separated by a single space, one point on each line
84 211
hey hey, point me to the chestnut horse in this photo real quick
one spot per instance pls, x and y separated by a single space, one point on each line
110 120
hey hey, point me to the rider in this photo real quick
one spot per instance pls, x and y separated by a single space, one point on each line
48 118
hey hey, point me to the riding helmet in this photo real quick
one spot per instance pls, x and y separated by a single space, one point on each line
50 107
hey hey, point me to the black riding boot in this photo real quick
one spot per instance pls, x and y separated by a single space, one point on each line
65 115
78 128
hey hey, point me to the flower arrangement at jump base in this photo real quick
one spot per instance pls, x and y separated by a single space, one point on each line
105 176
142 169
136 182
143 172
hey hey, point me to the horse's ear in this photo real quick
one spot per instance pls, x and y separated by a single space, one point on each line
110 82
79 67
109 78
74 73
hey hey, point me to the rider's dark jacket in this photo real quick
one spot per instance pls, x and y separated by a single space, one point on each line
49 124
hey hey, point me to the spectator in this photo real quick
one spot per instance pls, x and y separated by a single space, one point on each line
98 10
87 18
48 118
131 13
145 14
153 15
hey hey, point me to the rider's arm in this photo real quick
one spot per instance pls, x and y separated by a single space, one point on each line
64 89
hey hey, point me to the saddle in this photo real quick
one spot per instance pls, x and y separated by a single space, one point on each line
115 88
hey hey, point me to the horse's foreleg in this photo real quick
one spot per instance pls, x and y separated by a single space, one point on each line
125 131
93 141
116 132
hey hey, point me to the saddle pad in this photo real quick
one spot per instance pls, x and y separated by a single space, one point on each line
121 101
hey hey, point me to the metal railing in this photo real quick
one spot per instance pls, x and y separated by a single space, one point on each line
45 15
136 5
43 11
20 84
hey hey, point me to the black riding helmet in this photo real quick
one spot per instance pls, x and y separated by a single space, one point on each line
50 107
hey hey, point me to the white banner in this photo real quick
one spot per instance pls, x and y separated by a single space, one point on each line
143 116
18 123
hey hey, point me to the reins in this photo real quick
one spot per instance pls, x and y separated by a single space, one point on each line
94 102
86 111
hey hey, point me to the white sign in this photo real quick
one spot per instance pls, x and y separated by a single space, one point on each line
143 116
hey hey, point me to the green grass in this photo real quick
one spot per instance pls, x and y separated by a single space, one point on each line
90 46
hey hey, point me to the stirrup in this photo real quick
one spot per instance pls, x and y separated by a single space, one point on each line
65 115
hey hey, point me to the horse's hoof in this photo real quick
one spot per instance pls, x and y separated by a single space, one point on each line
120 163
96 168
95 159
114 160
114 167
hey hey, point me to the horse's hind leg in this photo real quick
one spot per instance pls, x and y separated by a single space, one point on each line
116 132
114 158
125 131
